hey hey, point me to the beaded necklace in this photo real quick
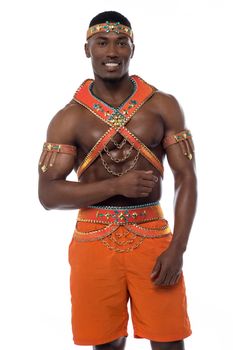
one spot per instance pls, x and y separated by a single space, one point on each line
107 104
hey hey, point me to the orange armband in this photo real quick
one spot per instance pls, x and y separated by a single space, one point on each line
50 151
184 139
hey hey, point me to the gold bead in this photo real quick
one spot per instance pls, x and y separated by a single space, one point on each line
44 168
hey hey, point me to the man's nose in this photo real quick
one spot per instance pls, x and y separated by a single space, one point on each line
112 50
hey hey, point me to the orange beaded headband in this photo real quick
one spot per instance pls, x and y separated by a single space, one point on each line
110 27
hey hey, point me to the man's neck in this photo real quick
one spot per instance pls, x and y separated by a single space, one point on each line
114 92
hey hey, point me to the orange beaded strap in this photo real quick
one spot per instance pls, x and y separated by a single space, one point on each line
145 151
50 151
184 139
116 118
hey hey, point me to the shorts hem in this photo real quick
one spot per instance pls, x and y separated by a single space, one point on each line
98 341
168 338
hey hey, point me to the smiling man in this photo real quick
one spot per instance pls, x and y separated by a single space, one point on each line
115 133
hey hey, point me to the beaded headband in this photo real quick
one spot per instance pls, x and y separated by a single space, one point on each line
110 27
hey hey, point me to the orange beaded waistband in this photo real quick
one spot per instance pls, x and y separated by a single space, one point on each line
121 215
99 223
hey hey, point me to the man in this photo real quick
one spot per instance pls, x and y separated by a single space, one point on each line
115 133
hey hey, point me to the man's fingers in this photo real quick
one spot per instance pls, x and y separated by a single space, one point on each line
161 275
167 279
147 183
144 190
148 175
161 278
175 278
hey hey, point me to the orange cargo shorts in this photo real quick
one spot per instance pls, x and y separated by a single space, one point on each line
112 253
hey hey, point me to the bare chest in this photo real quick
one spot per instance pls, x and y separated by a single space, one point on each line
146 126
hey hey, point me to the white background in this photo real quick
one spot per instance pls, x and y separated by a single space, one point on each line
183 47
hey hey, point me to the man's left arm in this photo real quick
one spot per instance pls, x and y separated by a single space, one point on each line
179 147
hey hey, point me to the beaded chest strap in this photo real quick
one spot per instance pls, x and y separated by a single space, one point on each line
116 118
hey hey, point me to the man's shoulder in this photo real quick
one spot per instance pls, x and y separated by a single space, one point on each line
70 113
167 106
63 126
72 108
163 99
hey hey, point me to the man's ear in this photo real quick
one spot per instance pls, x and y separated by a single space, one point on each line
87 51
133 48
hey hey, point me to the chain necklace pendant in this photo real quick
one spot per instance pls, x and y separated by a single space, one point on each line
119 145
118 160
110 171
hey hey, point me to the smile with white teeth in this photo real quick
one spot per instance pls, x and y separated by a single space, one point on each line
111 64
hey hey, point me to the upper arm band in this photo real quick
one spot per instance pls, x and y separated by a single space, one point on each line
184 139
50 151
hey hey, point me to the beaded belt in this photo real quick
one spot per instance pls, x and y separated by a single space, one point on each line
121 215
114 224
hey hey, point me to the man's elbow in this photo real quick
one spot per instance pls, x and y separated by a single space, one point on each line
45 201
186 178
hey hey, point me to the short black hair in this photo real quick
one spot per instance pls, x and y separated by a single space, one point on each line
111 16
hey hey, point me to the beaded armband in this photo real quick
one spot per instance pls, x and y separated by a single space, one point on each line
50 151
184 139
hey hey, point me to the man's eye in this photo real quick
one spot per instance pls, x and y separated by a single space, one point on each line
122 43
101 43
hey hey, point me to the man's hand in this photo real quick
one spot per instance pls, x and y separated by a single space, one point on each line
168 268
136 183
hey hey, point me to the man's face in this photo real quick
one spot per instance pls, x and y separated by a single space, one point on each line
110 54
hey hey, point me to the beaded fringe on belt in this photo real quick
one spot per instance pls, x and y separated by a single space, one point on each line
121 226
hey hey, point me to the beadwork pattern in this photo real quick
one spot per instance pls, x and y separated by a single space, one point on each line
184 139
107 27
133 234
122 227
50 151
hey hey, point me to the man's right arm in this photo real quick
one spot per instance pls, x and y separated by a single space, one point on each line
55 192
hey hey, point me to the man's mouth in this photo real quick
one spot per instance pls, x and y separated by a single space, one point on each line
111 64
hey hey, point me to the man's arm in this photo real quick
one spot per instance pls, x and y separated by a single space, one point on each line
55 192
169 265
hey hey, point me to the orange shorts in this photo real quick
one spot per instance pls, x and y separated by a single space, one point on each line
111 262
